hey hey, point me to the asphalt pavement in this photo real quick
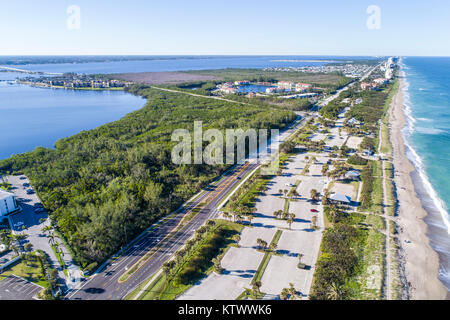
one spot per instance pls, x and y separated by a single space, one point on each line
166 237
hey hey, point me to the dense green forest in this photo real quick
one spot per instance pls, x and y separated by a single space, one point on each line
106 185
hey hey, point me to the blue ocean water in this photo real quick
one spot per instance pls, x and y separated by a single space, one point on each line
427 139
427 103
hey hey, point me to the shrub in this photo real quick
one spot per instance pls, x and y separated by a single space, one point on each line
357 160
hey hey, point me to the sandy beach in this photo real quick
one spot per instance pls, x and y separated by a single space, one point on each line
421 262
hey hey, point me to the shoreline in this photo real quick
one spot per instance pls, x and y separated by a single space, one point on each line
421 262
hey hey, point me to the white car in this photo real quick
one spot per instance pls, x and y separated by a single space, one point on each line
18 224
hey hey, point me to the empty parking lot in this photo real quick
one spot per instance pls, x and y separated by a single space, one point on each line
16 288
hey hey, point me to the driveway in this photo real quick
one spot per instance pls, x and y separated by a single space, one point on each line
33 224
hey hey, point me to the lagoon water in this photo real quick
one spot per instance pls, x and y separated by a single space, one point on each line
31 117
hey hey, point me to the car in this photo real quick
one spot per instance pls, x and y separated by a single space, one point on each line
288 184
314 210
30 191
26 184
22 178
18 224
38 205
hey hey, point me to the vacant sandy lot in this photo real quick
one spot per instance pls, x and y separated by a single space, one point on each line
354 142
163 77
282 270
344 188
241 263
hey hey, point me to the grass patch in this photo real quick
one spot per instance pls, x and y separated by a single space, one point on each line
250 294
30 271
376 221
369 282
60 259
265 260
372 191
195 265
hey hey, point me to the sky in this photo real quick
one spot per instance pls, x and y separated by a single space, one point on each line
243 27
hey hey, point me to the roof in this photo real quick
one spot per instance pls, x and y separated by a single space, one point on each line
4 194
341 198
353 173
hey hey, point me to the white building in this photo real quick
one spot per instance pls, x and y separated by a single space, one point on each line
8 203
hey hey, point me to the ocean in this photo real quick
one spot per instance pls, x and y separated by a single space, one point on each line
427 136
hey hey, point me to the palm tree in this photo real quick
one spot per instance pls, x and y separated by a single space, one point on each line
166 269
292 290
256 287
272 246
217 265
279 213
334 212
264 244
284 294
314 222
15 249
314 194
336 292
289 222
178 256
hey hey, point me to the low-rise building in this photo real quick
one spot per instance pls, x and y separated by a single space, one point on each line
380 81
271 90
366 85
8 203
352 175
340 199
228 90
285 85
300 87
352 122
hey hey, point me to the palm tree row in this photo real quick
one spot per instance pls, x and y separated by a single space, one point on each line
171 265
